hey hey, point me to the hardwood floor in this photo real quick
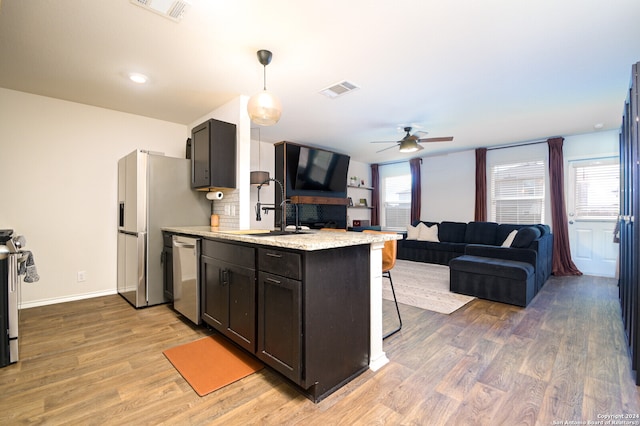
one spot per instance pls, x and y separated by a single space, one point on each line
564 358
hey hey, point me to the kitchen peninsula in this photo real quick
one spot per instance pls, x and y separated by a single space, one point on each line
307 304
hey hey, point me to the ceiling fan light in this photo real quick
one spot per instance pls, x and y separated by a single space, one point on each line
264 108
409 145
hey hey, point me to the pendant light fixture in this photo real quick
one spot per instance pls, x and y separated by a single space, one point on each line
264 107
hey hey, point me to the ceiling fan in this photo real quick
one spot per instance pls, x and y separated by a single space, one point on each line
411 142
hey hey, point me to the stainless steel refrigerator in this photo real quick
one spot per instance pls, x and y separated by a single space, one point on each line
153 191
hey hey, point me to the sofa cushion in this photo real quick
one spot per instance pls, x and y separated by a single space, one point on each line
504 229
481 233
416 222
452 232
494 267
428 233
525 237
509 240
433 246
544 229
413 232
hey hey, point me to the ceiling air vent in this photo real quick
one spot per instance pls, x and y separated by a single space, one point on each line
338 89
172 9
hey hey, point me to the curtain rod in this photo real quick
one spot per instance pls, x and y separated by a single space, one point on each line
516 145
397 162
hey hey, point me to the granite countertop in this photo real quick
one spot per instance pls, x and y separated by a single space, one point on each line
305 240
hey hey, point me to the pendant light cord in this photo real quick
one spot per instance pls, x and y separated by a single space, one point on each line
264 77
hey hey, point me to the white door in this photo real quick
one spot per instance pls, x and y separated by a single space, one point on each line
593 207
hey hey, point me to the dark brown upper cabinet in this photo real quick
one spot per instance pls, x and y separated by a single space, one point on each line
213 155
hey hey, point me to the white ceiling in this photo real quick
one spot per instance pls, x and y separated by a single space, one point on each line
487 73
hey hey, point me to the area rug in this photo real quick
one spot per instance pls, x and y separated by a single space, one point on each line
211 363
425 286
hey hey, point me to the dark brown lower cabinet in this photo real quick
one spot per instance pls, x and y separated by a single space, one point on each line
313 315
305 314
280 325
228 286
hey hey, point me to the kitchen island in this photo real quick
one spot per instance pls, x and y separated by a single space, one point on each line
315 315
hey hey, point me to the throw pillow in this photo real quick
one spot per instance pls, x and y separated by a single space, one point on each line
507 241
429 233
413 232
525 237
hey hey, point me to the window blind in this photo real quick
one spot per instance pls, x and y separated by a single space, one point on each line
517 192
397 201
597 189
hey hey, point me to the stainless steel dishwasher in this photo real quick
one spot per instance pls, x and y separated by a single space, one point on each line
186 291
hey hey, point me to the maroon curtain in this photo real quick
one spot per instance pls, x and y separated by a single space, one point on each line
375 195
481 185
562 263
416 191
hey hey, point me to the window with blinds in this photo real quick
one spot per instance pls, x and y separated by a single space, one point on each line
397 201
517 192
395 196
596 186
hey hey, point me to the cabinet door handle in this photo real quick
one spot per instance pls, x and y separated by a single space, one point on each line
274 281
225 277
274 255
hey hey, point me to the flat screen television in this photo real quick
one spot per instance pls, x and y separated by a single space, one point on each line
320 171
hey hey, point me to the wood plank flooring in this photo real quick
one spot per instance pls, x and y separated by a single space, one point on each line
562 359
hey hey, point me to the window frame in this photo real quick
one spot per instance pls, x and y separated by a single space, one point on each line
539 191
573 204
392 171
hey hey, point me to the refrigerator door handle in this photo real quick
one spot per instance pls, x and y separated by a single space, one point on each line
142 294
121 216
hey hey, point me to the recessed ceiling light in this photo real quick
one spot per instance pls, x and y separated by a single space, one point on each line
598 126
138 78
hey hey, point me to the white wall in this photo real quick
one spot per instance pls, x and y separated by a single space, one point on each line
59 189
448 187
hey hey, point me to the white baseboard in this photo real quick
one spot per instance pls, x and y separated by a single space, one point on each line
44 302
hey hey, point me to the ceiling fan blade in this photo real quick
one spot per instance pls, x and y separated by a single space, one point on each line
384 149
384 142
442 139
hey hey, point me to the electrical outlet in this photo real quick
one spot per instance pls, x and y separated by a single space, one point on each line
82 276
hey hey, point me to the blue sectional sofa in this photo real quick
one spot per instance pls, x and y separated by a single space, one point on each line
531 244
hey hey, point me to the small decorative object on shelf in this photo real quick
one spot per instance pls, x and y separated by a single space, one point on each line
363 202
350 202
353 181
361 182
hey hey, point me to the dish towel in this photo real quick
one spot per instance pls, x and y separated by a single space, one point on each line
28 268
